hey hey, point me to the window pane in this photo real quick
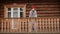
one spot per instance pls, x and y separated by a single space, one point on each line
15 14
21 14
9 14
15 9
9 9
21 9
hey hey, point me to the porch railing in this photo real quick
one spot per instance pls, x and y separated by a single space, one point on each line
43 24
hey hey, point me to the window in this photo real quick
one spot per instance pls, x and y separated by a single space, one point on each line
15 11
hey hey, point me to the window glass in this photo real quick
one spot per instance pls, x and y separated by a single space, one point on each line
9 9
21 14
15 14
15 9
9 14
21 9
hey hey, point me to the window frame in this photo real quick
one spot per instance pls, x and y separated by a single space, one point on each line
13 6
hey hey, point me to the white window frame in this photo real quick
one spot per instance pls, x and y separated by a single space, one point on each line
12 6
13 12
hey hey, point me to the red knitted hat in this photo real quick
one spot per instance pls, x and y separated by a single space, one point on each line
32 6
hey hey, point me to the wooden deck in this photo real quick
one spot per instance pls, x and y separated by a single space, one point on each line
29 33
24 25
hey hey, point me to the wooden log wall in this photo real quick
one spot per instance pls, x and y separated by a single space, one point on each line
1 10
44 8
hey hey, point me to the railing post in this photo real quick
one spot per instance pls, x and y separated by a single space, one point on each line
2 26
26 24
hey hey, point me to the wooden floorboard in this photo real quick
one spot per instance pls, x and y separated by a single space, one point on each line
29 33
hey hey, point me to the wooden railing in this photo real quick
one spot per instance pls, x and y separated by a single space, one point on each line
42 24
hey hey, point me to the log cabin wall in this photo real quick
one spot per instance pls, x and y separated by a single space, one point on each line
44 8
